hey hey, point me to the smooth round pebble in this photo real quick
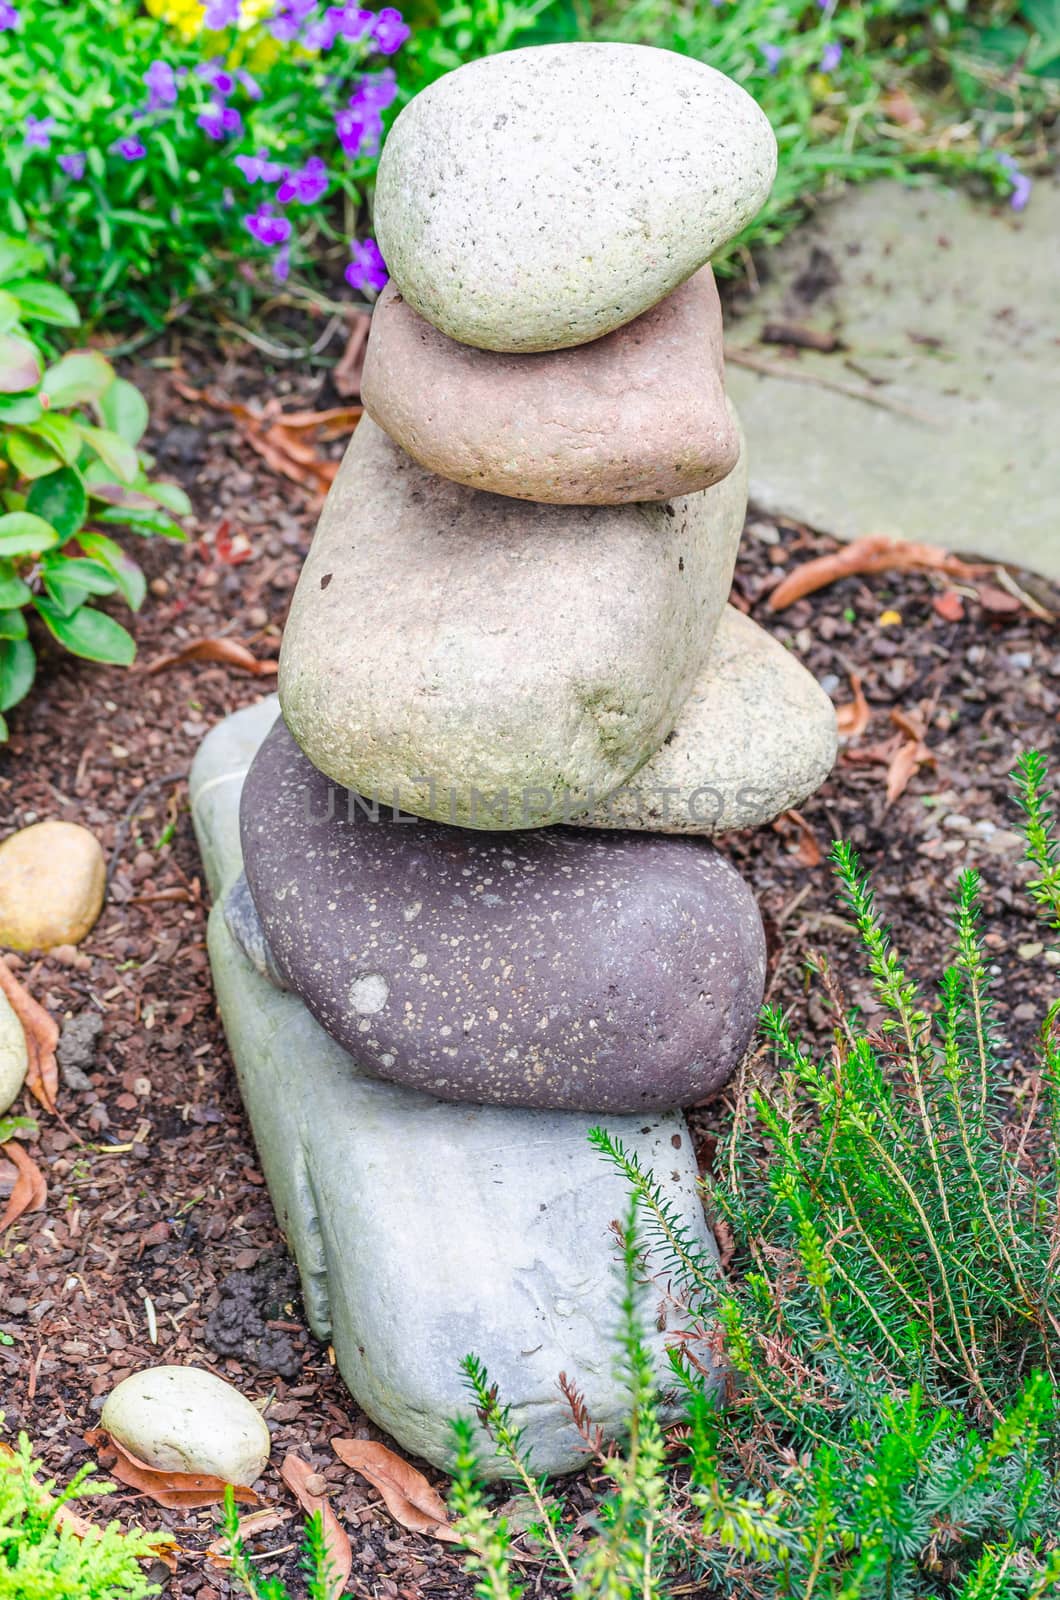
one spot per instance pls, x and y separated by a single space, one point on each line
490 662
539 198
52 881
556 968
14 1055
183 1419
637 415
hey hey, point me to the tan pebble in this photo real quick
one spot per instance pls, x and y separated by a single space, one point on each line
14 1055
52 883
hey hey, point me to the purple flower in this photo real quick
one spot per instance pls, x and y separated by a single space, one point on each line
130 148
250 86
267 228
289 18
161 84
306 186
281 265
259 168
218 121
360 131
375 93
221 81
831 56
73 163
828 6
38 132
1021 184
390 31
8 16
367 269
221 14
773 55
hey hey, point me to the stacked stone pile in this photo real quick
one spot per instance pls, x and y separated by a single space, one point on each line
515 705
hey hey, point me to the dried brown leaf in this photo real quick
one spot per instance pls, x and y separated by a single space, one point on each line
907 759
30 1191
877 553
854 718
298 1475
949 606
350 365
227 651
408 1496
42 1037
175 1490
255 1522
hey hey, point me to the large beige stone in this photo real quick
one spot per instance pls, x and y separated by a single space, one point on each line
52 881
756 736
637 415
492 663
184 1419
14 1055
538 198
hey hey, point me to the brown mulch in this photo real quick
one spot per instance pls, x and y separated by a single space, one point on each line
157 1214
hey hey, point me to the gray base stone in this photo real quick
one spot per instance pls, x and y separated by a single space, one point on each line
945 306
425 1230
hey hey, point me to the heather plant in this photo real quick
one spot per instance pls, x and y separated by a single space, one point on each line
47 1555
316 1564
72 474
890 1318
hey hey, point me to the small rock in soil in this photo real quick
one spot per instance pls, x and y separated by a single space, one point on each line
77 1049
249 1302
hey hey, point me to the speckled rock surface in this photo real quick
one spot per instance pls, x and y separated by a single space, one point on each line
637 415
492 663
14 1056
245 926
538 198
557 968
422 1229
185 1419
52 881
756 735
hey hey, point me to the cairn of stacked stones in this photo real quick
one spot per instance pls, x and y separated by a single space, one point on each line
480 911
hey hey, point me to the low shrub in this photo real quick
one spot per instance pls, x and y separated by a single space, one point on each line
213 147
46 1555
891 1317
72 474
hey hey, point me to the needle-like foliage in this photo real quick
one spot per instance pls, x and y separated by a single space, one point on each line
891 1317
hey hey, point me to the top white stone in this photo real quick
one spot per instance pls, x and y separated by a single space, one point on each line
539 198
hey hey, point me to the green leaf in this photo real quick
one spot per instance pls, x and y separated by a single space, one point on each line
18 258
114 451
20 408
31 455
18 1127
61 434
66 597
44 302
90 634
76 378
14 591
130 580
142 521
124 410
60 498
10 312
20 365
23 534
18 667
94 577
170 495
13 625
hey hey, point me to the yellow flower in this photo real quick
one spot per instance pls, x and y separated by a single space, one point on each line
186 16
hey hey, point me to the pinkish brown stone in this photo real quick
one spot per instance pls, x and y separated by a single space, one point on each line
637 415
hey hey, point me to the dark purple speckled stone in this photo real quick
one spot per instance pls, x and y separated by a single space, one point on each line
554 968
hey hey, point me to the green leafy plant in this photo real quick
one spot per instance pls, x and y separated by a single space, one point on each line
890 1320
46 1556
71 474
182 148
313 1558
